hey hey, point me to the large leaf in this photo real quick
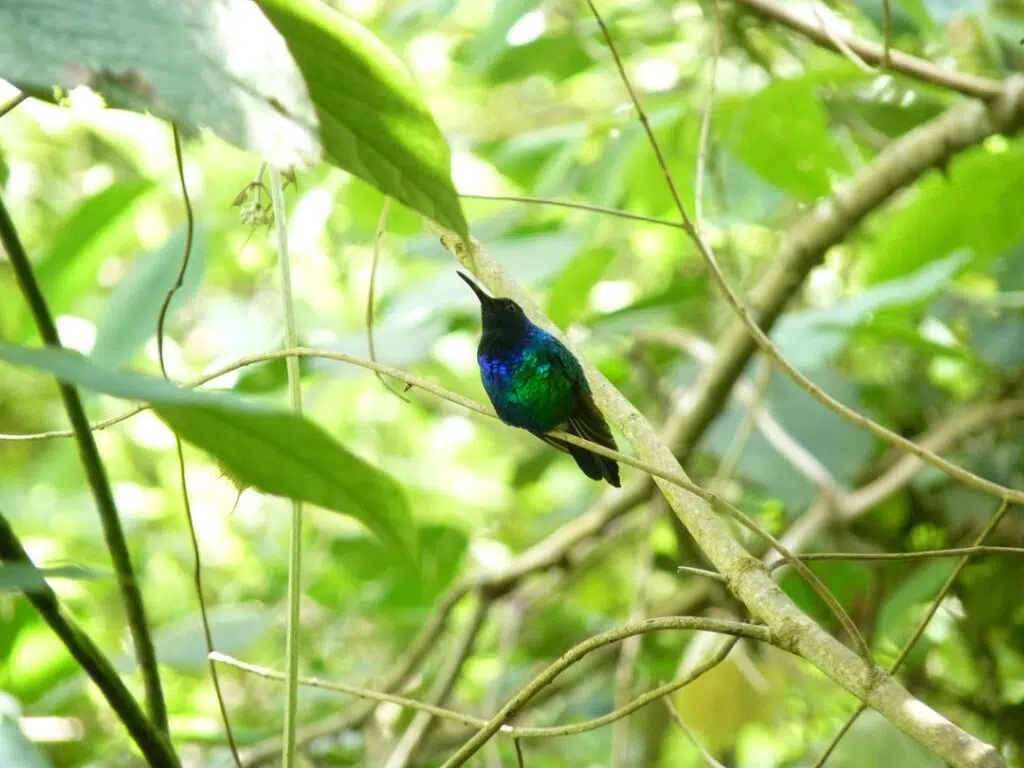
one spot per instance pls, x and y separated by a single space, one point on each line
373 121
273 451
182 644
25 577
782 133
130 315
975 206
812 337
217 64
97 229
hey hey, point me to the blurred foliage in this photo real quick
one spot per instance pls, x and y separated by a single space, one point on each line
916 316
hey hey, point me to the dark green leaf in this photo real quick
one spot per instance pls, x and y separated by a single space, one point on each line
234 628
130 315
975 207
277 452
812 337
783 134
218 64
98 228
373 121
25 577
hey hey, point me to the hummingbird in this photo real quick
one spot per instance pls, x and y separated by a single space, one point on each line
536 384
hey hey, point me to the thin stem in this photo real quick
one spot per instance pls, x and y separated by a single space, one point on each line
113 534
514 732
873 53
153 744
887 24
761 338
919 631
10 104
925 554
577 206
382 224
295 539
462 647
740 629
197 569
698 240
705 122
678 720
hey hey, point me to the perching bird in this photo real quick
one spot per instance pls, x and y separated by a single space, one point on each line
535 383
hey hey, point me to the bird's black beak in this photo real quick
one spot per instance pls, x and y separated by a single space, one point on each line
484 298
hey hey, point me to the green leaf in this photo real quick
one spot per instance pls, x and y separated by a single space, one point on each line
130 315
813 336
217 64
274 451
373 121
25 577
98 228
182 644
782 133
570 291
920 587
975 206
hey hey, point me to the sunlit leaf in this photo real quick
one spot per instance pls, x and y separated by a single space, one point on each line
130 314
217 64
274 451
373 121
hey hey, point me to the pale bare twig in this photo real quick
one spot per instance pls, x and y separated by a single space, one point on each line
873 53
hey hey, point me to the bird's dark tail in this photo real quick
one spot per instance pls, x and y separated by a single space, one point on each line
587 422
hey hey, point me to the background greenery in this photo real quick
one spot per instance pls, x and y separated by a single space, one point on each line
915 317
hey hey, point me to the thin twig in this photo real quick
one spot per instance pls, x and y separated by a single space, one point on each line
731 458
740 629
626 666
461 649
515 732
887 43
11 103
295 530
924 554
153 744
761 338
99 484
577 206
705 121
708 757
695 235
873 53
382 224
922 625
839 42
197 568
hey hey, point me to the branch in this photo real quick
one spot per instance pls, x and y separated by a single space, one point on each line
873 53
135 611
291 701
151 742
736 628
418 728
932 145
515 732
197 565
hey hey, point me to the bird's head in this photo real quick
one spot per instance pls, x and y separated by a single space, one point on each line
497 313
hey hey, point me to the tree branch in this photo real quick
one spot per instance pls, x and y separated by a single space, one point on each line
135 611
873 53
153 744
